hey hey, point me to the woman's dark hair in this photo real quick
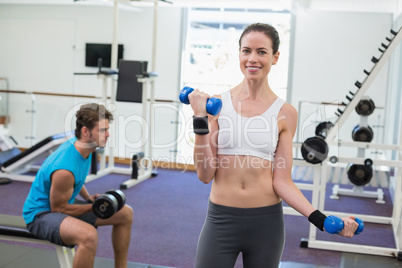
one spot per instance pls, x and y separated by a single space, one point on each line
88 115
266 29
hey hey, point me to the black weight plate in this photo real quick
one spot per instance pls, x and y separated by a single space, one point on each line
323 127
362 134
104 206
368 162
359 175
314 150
365 107
120 197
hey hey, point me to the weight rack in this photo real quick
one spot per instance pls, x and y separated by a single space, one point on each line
319 185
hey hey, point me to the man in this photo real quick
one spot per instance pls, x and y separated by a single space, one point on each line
51 211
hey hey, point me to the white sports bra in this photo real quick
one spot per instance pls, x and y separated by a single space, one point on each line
255 136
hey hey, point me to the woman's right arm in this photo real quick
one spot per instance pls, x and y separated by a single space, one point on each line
205 160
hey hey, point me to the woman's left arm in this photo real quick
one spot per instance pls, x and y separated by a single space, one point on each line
283 162
282 176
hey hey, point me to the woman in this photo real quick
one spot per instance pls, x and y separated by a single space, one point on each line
246 151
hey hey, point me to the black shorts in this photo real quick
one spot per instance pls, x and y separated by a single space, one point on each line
258 233
46 224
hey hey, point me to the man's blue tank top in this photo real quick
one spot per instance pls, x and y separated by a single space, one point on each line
65 157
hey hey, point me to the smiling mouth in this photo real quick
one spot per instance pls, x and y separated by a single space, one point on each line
253 68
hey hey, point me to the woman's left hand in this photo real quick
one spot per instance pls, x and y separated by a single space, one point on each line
349 227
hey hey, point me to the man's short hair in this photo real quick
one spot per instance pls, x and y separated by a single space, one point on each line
90 114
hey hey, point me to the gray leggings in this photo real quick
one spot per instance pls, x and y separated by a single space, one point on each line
256 232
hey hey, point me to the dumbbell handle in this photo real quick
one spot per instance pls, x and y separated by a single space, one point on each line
334 225
214 105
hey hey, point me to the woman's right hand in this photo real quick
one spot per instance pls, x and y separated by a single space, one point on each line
198 102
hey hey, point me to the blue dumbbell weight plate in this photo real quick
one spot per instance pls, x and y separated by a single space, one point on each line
183 97
333 224
214 106
361 226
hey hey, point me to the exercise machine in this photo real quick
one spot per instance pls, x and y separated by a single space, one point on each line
137 171
13 228
14 168
134 85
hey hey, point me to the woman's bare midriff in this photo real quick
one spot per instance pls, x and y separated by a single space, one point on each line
243 181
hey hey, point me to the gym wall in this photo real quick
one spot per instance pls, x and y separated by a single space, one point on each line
44 45
394 115
331 51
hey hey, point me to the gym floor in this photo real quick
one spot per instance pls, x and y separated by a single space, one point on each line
13 255
170 210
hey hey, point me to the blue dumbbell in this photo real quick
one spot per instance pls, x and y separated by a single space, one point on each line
214 105
334 225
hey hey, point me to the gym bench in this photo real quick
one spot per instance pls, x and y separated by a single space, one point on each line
13 228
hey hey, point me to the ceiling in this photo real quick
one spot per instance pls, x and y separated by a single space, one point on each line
388 6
